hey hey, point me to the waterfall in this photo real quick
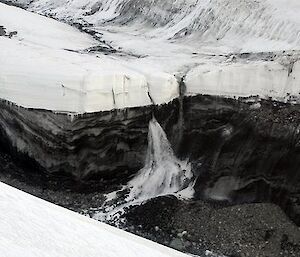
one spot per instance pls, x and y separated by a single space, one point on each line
162 174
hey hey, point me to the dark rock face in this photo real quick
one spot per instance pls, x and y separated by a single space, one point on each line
241 151
246 154
106 144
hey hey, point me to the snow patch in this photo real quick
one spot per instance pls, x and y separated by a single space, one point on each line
32 227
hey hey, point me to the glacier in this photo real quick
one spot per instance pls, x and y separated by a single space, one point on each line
145 48
72 70
81 80
41 69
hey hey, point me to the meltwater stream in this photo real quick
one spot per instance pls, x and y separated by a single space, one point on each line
162 174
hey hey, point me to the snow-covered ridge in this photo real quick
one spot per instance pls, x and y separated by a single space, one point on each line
33 227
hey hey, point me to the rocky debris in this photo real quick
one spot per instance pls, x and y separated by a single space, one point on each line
244 230
177 244
190 226
4 33
101 48
60 189
14 3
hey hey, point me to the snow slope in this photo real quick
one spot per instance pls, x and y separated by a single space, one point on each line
31 227
155 43
45 66
248 25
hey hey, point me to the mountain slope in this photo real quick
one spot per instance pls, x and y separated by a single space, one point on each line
239 25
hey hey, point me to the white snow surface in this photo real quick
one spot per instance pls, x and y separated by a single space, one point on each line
157 43
36 70
237 25
31 227
244 80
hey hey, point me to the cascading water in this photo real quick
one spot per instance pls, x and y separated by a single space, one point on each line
163 174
